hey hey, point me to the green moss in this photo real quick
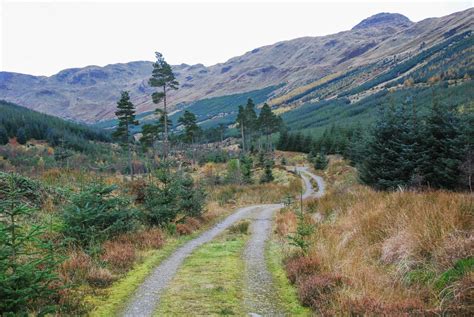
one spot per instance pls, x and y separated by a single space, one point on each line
209 281
286 292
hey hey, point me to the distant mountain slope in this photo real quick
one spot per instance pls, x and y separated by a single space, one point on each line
372 47
40 126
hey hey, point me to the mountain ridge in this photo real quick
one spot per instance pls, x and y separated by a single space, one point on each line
89 94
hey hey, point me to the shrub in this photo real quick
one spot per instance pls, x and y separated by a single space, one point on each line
299 267
183 229
76 267
100 277
118 255
149 239
94 215
314 290
240 227
191 198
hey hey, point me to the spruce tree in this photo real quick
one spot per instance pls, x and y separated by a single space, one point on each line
267 175
26 262
441 148
126 116
381 166
164 78
21 136
246 165
3 135
320 161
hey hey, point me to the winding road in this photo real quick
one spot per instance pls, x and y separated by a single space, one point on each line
260 296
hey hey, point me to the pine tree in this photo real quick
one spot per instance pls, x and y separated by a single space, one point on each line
164 78
381 166
21 136
191 198
267 176
241 124
320 161
268 123
250 122
3 135
126 116
441 148
191 128
246 165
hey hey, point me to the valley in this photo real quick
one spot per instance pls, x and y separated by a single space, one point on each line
319 176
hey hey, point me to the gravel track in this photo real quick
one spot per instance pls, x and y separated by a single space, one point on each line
147 296
260 294
260 297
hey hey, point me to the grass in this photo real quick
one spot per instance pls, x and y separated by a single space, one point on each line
395 252
286 292
115 297
209 282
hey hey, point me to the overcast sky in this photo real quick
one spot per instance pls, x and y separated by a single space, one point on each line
44 37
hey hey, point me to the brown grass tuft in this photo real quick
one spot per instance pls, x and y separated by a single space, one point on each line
75 268
100 277
183 229
118 255
285 223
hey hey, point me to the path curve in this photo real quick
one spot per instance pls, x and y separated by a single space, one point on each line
260 297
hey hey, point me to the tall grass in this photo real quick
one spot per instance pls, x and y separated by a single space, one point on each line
390 249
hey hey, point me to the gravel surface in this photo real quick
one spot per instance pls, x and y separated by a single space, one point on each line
260 295
261 298
147 296
309 192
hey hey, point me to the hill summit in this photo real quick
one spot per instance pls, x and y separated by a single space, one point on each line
384 19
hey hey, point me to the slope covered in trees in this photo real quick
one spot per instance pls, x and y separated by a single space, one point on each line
25 124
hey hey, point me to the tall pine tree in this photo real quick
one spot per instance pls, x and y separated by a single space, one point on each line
126 116
164 78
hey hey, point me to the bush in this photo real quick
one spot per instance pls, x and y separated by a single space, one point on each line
299 267
314 290
94 215
100 277
183 229
75 268
118 255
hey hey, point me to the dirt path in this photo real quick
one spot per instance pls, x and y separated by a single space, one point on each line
147 296
260 296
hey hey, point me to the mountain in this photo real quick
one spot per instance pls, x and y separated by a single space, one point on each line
283 70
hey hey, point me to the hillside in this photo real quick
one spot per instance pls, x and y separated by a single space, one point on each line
375 46
20 123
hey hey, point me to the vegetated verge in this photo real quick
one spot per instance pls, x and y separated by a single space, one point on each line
388 253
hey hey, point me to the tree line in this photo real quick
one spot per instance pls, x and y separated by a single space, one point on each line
404 149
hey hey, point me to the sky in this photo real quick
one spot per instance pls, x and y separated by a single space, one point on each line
44 37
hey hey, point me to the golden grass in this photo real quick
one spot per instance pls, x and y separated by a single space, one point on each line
378 240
